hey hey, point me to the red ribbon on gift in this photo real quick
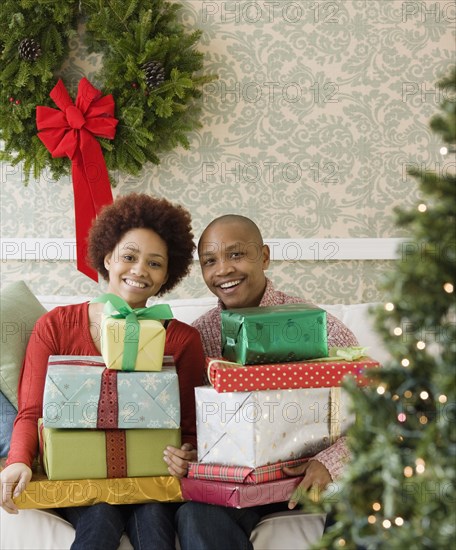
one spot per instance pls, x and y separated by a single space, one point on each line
71 132
107 420
108 403
116 453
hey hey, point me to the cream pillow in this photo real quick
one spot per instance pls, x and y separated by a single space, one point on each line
19 311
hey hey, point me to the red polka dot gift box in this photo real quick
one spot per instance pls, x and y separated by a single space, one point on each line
226 376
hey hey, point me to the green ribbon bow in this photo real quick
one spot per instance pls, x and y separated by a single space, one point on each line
117 308
350 353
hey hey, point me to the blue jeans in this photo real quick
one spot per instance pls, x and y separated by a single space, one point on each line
100 527
208 527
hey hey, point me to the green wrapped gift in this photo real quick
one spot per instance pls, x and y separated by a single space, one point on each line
274 334
102 454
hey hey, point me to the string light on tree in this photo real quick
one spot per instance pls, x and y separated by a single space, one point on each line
420 466
371 519
408 471
386 523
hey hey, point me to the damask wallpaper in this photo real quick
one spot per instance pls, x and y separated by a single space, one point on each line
318 109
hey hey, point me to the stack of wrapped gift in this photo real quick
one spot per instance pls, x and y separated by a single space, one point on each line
107 418
276 400
103 423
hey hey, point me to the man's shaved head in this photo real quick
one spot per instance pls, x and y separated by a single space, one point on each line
250 227
233 259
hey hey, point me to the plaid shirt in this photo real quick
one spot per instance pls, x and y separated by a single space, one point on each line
209 326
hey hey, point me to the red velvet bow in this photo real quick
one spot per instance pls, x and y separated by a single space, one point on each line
70 132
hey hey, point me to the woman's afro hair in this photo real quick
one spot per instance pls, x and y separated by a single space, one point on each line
171 222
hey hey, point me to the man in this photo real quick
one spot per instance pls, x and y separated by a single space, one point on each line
233 260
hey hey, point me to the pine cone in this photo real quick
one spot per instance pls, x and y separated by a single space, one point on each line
29 49
154 73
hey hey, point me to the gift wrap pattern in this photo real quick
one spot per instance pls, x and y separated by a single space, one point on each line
274 334
226 376
262 427
98 454
80 392
239 474
41 493
236 495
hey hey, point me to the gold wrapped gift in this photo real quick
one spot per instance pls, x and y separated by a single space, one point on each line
42 493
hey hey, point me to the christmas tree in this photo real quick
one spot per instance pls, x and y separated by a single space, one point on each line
399 489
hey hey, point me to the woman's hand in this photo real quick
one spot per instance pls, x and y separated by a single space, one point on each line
316 478
178 459
13 480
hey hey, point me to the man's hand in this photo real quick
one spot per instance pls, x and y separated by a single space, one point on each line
178 459
316 478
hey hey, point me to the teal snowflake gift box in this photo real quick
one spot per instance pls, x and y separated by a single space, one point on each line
274 334
80 392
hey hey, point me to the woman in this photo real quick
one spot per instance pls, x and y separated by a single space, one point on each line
143 247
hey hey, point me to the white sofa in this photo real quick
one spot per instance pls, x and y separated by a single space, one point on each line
44 530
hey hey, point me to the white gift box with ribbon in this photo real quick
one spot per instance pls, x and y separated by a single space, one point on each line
261 427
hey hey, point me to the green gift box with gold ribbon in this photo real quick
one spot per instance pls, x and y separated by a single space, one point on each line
132 339
102 454
274 334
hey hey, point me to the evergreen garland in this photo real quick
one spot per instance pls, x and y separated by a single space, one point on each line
154 115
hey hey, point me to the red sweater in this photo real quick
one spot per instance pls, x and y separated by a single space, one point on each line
65 331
